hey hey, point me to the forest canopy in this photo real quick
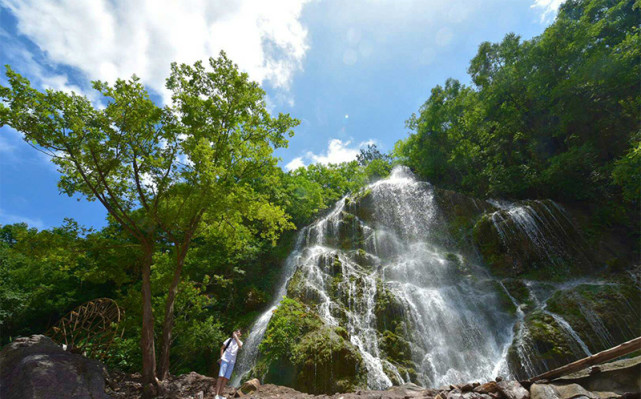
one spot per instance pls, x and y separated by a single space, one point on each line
555 117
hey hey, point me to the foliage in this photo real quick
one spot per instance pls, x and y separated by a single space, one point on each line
309 190
626 172
290 322
550 117
45 274
162 172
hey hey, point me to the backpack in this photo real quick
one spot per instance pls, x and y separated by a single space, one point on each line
225 350
227 344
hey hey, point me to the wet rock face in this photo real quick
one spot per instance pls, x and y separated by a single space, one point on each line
603 315
302 352
35 367
401 268
546 344
460 213
535 239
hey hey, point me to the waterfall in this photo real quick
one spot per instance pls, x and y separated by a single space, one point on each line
570 331
447 317
539 231
392 241
249 353
448 311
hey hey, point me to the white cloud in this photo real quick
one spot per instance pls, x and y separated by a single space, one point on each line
548 8
108 39
295 164
24 63
337 151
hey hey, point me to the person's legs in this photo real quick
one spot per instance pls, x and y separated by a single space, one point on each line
221 381
222 388
226 375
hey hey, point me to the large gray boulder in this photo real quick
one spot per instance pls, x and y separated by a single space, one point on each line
621 376
35 367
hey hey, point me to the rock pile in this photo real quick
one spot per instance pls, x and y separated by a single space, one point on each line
36 367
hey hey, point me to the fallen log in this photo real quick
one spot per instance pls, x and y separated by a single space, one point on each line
601 357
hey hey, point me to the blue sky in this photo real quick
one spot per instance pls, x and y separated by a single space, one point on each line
351 71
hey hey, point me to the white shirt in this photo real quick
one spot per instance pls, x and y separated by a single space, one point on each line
229 355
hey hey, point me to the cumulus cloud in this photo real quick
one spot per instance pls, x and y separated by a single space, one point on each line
295 164
337 151
108 39
548 8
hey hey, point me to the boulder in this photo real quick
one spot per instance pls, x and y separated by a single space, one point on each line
457 394
620 376
488 387
250 386
552 391
513 390
35 367
189 384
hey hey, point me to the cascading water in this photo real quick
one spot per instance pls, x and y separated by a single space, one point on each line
449 303
390 244
538 231
447 313
247 356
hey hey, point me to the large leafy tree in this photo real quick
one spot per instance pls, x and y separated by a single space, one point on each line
159 171
555 116
103 154
226 139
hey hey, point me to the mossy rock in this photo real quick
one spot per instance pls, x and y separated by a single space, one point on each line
397 349
603 315
492 250
326 362
336 266
389 311
547 347
299 350
551 248
454 204
363 259
460 213
275 371
519 291
505 302
361 205
298 289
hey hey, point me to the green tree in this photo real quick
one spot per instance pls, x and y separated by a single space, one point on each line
159 171
226 140
99 153
551 117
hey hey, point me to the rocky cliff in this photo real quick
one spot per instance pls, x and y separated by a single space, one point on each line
404 282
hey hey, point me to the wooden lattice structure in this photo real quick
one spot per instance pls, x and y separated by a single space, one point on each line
90 328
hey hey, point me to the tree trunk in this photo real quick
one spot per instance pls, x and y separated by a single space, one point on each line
147 335
168 323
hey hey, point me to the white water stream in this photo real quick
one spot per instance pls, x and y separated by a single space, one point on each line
450 306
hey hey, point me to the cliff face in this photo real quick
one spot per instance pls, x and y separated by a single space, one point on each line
409 283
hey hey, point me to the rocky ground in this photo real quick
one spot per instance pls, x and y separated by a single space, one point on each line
196 386
35 367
